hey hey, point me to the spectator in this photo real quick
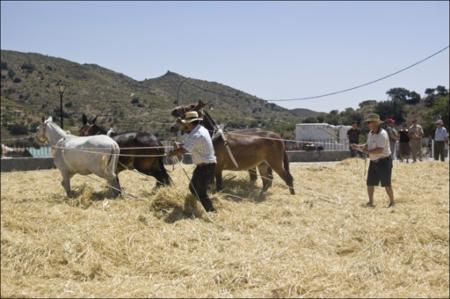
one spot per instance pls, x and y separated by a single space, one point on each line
440 139
353 137
404 150
429 146
415 140
393 135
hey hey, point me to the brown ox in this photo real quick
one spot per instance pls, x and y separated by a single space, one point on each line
251 148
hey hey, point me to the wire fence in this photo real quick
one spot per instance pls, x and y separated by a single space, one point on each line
17 150
13 150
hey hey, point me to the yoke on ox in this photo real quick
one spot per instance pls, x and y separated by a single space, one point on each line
244 149
81 155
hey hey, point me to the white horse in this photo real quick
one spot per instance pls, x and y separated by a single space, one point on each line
81 155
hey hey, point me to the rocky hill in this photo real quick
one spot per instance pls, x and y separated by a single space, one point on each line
29 90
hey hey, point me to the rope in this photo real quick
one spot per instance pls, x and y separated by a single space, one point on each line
121 191
138 172
130 148
193 187
16 138
279 139
104 153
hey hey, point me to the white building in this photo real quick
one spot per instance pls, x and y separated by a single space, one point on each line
329 136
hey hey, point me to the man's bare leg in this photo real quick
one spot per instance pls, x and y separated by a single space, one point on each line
370 191
390 193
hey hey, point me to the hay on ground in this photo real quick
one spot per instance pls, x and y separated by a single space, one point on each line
318 243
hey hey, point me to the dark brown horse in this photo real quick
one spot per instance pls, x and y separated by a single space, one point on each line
133 144
251 148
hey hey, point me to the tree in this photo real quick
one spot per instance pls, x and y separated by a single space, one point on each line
413 98
18 129
332 118
391 109
430 91
367 103
441 91
440 110
310 120
398 93
320 118
11 74
27 67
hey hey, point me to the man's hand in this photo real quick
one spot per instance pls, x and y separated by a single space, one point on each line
179 151
359 147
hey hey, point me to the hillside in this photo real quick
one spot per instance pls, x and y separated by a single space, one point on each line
304 113
29 91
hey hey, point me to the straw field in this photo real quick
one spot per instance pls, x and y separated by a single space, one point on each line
318 243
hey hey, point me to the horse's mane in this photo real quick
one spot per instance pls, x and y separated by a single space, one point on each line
101 128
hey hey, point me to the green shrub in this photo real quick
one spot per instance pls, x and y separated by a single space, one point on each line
18 129
27 67
8 92
11 74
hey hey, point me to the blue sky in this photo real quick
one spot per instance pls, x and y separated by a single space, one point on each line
273 50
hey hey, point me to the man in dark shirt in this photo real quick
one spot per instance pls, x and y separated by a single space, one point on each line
404 150
353 137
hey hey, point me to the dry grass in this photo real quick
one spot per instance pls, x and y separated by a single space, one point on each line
319 243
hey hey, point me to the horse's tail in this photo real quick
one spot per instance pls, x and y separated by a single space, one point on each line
286 162
290 178
113 158
166 177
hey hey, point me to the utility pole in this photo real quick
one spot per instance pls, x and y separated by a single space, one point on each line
178 102
61 89
178 92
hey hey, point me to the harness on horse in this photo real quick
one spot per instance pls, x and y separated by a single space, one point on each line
219 132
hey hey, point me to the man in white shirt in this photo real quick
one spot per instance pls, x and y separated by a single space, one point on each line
380 167
440 139
200 145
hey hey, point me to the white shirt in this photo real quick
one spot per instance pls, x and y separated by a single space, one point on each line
378 140
199 144
440 134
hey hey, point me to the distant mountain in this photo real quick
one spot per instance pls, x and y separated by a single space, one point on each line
29 91
304 113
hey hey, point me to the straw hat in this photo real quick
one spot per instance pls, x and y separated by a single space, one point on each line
190 117
439 122
373 117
